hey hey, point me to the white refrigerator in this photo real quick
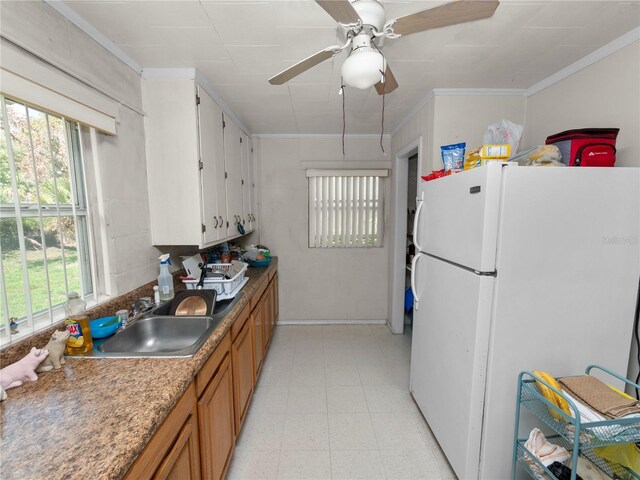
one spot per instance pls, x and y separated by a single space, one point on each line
517 268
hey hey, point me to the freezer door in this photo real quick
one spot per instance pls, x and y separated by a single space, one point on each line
449 357
458 220
568 267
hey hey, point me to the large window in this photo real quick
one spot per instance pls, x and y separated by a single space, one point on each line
346 208
44 245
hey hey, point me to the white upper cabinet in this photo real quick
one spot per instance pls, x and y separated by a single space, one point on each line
194 165
212 181
248 217
233 165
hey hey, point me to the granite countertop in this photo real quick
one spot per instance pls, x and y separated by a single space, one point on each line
93 417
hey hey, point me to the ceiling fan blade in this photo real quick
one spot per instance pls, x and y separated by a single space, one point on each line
390 83
303 66
341 10
460 11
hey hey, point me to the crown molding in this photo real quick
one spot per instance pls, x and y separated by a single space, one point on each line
70 14
386 136
479 92
601 53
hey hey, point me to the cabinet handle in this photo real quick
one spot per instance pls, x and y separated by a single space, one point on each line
221 221
216 225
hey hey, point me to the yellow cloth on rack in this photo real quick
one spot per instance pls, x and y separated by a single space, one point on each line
627 455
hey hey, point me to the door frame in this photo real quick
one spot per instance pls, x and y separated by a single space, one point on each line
397 252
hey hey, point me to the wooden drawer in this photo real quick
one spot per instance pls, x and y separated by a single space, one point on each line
239 322
209 368
259 291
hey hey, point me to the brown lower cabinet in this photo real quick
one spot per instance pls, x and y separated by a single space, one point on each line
243 371
257 333
216 421
198 436
277 297
172 453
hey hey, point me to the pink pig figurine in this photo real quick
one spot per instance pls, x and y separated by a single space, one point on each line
23 370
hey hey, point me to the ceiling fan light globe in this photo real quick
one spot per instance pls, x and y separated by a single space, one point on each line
371 12
362 69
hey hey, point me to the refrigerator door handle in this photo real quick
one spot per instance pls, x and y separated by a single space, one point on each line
416 220
414 289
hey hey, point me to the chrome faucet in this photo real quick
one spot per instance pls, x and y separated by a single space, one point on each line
139 307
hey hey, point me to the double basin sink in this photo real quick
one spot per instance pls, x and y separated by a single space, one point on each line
158 334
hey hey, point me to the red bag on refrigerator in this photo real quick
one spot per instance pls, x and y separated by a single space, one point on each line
586 147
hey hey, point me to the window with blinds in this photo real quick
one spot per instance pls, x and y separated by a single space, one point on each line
346 208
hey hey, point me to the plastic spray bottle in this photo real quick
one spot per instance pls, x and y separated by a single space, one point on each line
165 279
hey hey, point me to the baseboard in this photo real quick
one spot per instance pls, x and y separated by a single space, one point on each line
332 322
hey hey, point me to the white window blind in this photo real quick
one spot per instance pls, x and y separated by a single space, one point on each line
346 208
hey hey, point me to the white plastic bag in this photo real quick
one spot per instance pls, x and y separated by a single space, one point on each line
503 131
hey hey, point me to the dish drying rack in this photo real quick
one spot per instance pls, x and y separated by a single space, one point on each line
220 285
577 437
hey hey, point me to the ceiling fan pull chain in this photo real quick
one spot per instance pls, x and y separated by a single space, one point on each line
384 92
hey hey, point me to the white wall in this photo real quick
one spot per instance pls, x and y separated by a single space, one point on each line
322 284
465 118
120 160
444 119
605 94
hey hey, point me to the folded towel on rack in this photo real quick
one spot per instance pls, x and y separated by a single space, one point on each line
599 396
608 432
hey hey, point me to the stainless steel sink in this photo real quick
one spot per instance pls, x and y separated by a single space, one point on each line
161 335
157 334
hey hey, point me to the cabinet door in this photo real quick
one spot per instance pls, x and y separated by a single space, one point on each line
172 452
233 168
274 301
210 134
256 331
243 373
182 461
266 319
276 296
215 414
247 185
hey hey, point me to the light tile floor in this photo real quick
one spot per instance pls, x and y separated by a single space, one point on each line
333 402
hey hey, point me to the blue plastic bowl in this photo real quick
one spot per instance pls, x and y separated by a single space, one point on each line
259 263
104 327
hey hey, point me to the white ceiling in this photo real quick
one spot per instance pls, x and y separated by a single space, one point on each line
239 44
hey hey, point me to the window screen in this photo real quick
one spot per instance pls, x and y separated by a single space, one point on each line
44 239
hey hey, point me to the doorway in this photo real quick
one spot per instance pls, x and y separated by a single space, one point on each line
412 193
404 202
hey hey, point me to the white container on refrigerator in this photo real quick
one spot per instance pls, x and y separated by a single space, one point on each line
519 268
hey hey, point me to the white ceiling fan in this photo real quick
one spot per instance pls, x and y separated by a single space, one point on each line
365 22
